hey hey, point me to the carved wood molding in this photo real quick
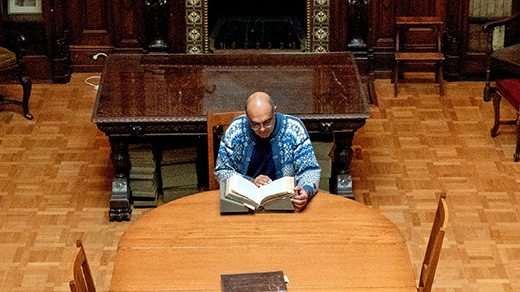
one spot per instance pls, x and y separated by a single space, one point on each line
327 123
137 129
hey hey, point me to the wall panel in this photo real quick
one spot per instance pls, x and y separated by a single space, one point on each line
89 32
92 26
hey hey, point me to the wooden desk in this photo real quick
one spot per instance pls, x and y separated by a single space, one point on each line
335 244
151 98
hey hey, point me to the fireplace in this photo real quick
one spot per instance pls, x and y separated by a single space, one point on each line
289 25
257 25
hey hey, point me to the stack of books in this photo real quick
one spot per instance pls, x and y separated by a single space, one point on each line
179 173
144 176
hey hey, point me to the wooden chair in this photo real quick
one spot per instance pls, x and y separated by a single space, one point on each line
420 30
434 246
81 278
216 126
506 59
509 89
12 65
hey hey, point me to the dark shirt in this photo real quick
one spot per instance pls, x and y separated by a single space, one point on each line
262 160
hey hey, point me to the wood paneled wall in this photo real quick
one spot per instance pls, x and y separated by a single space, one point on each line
89 31
87 27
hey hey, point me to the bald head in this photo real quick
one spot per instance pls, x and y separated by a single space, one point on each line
260 109
259 100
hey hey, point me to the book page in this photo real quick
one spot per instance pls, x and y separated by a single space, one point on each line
282 185
244 187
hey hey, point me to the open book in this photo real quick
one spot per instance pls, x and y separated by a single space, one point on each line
244 191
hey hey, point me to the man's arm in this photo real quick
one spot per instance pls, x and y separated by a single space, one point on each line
231 151
300 198
306 166
307 175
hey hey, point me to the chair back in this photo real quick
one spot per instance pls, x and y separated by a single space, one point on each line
81 278
419 34
434 246
219 122
419 40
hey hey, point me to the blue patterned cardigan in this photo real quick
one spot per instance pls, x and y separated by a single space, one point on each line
293 154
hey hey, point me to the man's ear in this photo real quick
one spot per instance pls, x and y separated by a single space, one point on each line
274 108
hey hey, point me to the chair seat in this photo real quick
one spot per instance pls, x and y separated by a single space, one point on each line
509 55
509 89
416 56
7 58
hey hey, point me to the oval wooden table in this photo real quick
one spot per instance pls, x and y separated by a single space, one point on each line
335 244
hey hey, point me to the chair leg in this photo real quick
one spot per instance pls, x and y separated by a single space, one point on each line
396 78
487 88
496 106
27 86
516 156
437 72
440 79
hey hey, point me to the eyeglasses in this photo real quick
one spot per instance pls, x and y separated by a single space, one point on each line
266 124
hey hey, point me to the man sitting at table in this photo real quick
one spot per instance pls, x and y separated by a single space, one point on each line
264 145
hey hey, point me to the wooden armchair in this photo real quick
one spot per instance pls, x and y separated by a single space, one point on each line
12 64
216 126
81 278
433 249
506 59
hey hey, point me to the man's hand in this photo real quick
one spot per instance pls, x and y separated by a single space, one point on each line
261 180
300 198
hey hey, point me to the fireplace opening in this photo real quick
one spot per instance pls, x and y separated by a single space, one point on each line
257 25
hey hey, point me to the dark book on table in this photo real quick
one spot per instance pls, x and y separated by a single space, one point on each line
254 282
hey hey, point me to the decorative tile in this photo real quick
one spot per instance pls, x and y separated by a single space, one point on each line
193 2
194 35
194 17
322 2
320 49
321 34
195 50
321 17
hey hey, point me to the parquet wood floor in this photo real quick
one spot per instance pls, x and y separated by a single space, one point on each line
55 184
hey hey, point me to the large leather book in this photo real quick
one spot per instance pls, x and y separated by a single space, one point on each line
254 282
229 206
244 191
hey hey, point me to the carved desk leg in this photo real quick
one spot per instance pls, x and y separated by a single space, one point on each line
341 181
120 202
